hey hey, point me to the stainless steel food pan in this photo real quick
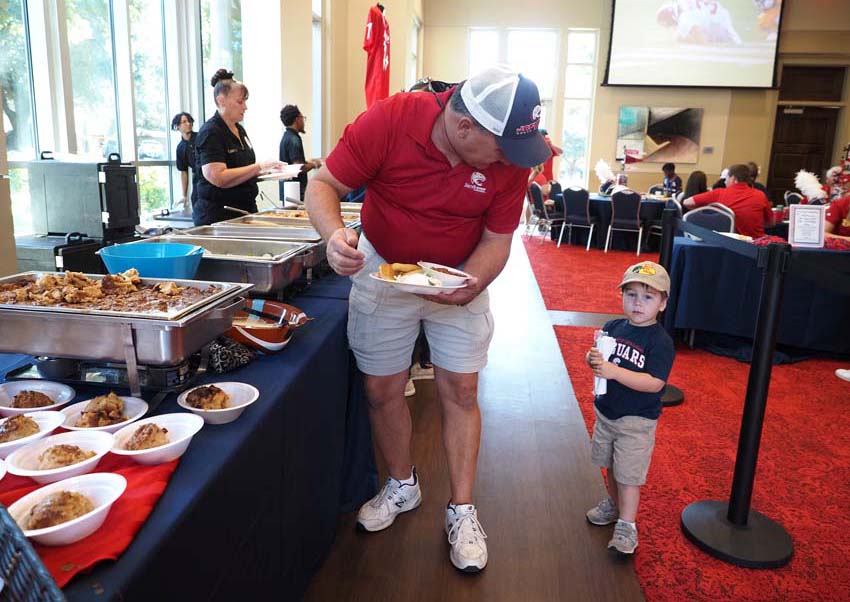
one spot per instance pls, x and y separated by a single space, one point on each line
224 289
111 338
270 265
314 255
268 220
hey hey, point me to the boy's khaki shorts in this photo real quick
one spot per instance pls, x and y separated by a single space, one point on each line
383 323
624 445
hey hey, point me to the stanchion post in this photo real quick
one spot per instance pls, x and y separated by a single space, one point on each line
668 232
761 365
734 532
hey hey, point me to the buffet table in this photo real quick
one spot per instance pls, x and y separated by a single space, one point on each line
716 290
252 508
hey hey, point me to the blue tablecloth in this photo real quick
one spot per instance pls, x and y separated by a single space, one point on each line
251 510
716 290
600 206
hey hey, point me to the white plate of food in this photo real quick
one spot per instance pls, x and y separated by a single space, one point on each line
60 456
448 275
22 429
219 403
69 510
23 396
411 278
288 172
157 439
108 413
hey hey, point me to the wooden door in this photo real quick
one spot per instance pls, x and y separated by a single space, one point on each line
8 261
803 139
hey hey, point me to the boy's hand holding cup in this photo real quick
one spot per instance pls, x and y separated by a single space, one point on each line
603 349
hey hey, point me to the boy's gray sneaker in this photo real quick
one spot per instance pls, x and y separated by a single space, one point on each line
625 538
604 513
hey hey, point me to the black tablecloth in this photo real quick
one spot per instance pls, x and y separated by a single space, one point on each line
716 290
600 206
252 508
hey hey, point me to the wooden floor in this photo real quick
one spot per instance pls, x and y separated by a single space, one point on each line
535 481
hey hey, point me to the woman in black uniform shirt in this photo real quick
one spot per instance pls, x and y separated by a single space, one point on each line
225 156
185 155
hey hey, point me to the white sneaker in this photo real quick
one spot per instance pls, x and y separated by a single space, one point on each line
409 388
417 372
843 374
466 536
396 497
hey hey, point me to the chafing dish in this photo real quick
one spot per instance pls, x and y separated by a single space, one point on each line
114 336
314 255
269 220
269 265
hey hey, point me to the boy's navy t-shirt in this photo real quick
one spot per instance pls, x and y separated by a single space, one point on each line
639 349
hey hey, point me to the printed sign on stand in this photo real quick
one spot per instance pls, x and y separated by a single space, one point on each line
806 225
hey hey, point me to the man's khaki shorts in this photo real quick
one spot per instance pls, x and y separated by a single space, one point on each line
624 445
383 323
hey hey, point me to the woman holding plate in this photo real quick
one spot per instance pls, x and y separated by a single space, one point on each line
226 157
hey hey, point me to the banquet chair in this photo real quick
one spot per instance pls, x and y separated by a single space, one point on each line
577 214
656 227
656 189
792 198
545 218
714 216
24 576
555 191
625 216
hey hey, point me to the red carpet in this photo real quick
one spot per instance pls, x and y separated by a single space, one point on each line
578 280
804 459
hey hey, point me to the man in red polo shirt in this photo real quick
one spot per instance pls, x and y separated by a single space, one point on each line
446 176
750 206
837 223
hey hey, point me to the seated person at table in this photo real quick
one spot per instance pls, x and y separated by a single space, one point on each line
721 181
754 174
672 182
837 224
627 413
538 176
696 184
751 208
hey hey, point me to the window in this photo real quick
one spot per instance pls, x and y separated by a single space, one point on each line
412 69
534 53
149 90
578 106
483 49
17 109
221 43
15 78
316 121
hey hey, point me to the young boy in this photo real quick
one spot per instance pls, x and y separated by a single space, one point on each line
626 416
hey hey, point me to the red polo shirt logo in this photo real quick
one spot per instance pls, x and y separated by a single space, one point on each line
476 182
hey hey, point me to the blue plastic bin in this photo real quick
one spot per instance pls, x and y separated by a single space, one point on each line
154 260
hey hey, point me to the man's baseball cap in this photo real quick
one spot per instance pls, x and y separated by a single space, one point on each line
648 273
507 104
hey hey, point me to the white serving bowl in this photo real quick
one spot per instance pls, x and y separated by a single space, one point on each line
181 428
24 461
457 278
59 393
134 408
47 423
241 396
102 488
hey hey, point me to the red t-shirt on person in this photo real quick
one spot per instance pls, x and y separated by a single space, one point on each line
836 215
417 206
750 206
376 43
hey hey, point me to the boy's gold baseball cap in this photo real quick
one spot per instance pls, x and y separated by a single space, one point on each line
648 273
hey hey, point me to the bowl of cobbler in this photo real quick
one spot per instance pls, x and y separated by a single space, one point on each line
219 403
157 439
68 510
22 429
60 456
23 396
108 413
